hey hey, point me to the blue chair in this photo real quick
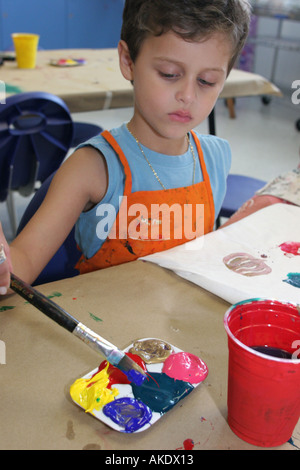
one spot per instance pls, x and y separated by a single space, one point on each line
239 189
36 132
62 263
83 131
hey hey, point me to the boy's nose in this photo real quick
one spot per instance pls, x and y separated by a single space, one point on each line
186 92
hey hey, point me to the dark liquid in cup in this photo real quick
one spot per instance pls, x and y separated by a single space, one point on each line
275 352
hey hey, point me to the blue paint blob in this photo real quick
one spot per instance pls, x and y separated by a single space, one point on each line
135 376
293 279
290 441
128 413
161 393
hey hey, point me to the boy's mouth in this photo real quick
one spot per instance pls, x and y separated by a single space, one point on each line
180 116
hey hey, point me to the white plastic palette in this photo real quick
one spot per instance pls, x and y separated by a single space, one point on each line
127 391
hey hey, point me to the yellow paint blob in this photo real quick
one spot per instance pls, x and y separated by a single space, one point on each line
92 394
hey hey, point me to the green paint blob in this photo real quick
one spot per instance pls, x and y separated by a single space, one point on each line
54 294
12 88
5 307
161 392
94 317
293 279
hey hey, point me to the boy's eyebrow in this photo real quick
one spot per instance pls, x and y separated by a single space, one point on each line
177 62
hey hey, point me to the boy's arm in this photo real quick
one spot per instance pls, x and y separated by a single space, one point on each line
80 183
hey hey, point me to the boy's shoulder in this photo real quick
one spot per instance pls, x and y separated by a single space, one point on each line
209 138
213 142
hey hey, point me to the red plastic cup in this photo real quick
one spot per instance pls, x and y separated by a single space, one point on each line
263 391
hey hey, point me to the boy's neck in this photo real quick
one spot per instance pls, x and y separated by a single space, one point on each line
158 143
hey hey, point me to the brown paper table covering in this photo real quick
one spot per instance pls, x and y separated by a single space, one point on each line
98 84
123 303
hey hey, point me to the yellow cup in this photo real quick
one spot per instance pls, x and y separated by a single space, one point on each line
26 47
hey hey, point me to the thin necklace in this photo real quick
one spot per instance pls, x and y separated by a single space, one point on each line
154 172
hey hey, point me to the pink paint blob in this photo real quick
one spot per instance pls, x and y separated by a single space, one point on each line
246 264
291 248
185 366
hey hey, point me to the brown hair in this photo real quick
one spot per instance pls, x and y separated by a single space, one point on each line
193 20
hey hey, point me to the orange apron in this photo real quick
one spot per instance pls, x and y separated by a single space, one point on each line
153 221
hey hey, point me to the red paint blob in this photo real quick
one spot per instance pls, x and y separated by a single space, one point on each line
115 375
292 248
188 444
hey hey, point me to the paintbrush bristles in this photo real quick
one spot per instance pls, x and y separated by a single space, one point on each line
113 355
132 370
126 363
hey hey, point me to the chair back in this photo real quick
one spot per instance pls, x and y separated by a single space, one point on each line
62 264
36 132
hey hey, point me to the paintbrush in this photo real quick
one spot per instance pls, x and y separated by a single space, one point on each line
113 355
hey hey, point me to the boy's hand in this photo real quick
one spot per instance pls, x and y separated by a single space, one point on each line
5 264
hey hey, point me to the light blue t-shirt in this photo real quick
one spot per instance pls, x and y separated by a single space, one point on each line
174 171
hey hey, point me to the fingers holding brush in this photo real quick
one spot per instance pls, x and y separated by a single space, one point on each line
5 264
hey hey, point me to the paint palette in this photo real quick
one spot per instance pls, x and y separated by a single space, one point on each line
107 394
67 62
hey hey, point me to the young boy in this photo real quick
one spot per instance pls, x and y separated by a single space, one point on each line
177 54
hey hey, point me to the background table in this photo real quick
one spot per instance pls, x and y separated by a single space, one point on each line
124 303
98 84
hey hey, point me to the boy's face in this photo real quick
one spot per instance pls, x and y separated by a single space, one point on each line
176 84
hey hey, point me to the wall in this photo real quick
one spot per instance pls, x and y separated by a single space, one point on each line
62 23
287 67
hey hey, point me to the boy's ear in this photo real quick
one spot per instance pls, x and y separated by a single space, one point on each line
125 62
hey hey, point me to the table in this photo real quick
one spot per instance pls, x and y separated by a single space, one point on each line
123 303
99 84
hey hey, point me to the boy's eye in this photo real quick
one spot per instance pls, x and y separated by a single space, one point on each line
168 75
205 82
173 76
